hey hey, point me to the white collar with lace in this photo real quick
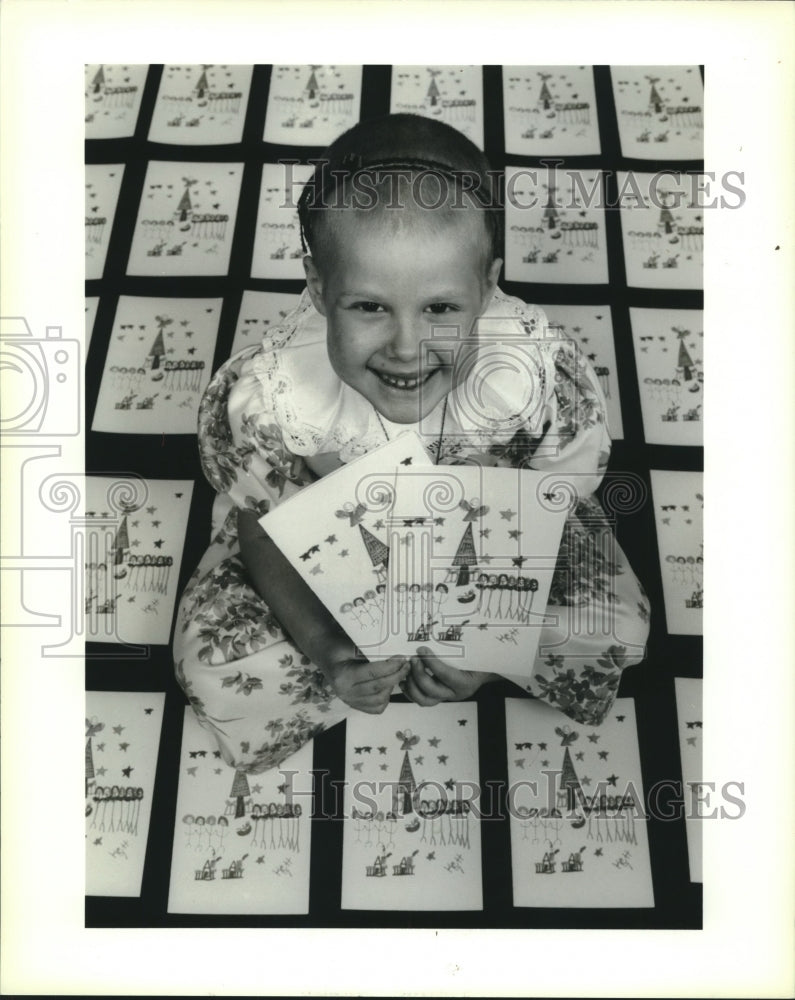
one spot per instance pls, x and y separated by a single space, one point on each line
317 412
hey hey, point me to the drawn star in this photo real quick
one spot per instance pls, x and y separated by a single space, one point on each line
603 754
343 553
192 771
439 521
594 737
520 762
256 789
127 771
542 746
462 722
514 534
100 746
383 767
438 538
316 570
620 718
482 627
545 763
431 856
156 524
178 496
98 841
261 859
331 539
691 740
159 543
598 852
434 741
118 730
217 754
442 758
218 770
419 760
358 766
151 510
612 780
101 771
123 746
506 515
585 782
691 725
485 532
378 524
148 711
450 784
580 755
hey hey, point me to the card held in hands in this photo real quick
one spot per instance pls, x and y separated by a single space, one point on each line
407 555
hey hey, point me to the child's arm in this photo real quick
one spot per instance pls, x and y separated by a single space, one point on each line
432 680
362 684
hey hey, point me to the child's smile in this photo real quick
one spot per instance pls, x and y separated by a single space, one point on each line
387 297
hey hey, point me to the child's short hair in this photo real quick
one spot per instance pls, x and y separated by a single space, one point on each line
434 164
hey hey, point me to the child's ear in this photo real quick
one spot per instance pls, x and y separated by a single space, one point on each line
314 284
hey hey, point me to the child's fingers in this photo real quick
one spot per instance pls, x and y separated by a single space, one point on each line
442 671
411 689
430 686
383 669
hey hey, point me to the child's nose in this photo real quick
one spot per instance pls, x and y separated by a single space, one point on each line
404 344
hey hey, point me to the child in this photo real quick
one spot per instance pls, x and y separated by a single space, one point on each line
404 236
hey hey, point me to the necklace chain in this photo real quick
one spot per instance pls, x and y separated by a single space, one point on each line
441 430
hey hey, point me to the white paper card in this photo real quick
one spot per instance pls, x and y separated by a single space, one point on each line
113 99
103 182
122 740
158 365
662 228
660 111
450 94
312 105
678 513
411 838
201 104
689 713
550 110
277 243
186 219
133 558
554 226
92 302
241 842
669 349
578 832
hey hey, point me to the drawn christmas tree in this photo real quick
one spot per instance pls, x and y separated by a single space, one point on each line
466 557
240 791
312 86
202 84
550 212
655 101
666 222
684 364
99 80
121 543
185 206
376 550
433 94
569 782
545 97
156 351
403 795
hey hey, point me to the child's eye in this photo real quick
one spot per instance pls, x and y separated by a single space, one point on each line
369 307
440 308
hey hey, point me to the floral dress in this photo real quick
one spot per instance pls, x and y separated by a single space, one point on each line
268 415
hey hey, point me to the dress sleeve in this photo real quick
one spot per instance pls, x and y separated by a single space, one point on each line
242 449
598 613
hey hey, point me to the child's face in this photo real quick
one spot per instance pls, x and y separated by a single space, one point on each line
382 294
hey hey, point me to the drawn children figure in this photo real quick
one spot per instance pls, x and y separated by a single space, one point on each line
440 595
387 337
502 587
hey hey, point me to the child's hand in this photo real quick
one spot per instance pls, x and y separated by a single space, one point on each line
366 685
432 681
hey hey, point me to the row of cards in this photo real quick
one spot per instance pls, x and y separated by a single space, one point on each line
546 109
554 223
161 353
413 816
